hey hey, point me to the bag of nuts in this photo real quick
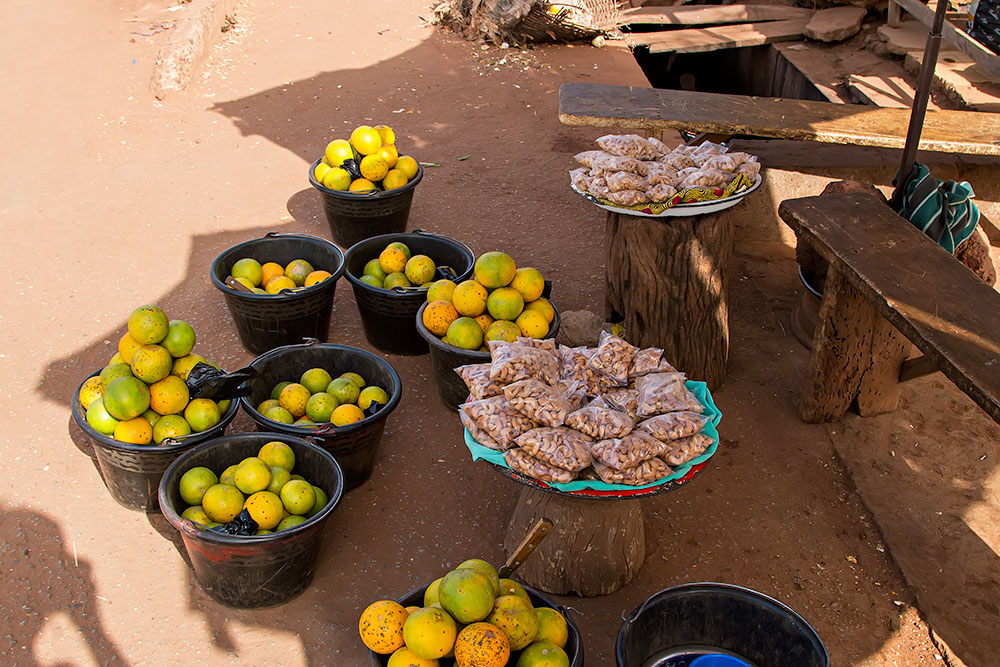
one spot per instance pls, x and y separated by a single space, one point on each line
513 361
480 436
613 358
673 425
559 446
526 464
622 398
538 401
646 472
498 420
646 360
574 367
627 452
599 422
543 344
574 391
477 379
665 392
683 450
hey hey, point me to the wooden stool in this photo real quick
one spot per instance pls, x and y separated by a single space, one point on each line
668 280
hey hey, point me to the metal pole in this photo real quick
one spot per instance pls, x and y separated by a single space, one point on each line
919 109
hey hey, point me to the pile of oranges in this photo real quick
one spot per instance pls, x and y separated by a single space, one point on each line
317 398
367 161
272 278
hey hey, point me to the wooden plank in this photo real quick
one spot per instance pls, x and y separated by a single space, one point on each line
600 105
712 14
957 38
698 40
884 91
943 308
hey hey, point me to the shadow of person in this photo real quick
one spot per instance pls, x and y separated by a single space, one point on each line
35 557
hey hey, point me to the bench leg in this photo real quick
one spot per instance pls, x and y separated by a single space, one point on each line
879 390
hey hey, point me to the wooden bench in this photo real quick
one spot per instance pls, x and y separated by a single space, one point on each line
889 285
628 107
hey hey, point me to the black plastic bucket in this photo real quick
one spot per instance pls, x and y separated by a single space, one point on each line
677 625
446 358
573 648
266 321
387 315
355 446
356 216
260 570
132 473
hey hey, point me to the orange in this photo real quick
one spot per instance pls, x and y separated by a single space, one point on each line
169 396
279 477
298 270
222 502
344 390
127 347
320 407
315 380
353 377
279 283
373 281
228 475
337 178
195 482
441 289
373 167
394 179
503 330
265 508
529 282
181 367
404 657
316 277
431 592
113 372
517 618
321 500
381 626
532 324
420 269
337 151
361 185
438 316
170 426
511 587
126 398
196 514
100 419
467 595
505 303
552 627
151 416
277 454
543 654
280 414
267 405
290 522
294 398
151 363
374 268
180 339
465 333
484 321
252 476
366 140
544 307
346 414
388 153
371 395
297 496
249 268
486 568
90 391
270 270
276 392
202 414
392 260
136 431
430 633
481 645
147 324
469 298
495 269
408 166
388 136
321 170
397 279
116 359
399 245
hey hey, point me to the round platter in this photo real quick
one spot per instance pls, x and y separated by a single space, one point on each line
679 210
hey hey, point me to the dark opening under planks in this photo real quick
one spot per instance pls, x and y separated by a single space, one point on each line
601 105
943 308
696 40
712 14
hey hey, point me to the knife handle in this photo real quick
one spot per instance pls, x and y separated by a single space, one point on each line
528 545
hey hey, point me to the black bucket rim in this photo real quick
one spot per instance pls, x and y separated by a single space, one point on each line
381 291
284 294
184 442
713 587
574 632
187 528
318 431
478 356
368 194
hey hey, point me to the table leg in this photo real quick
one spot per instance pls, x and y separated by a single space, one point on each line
595 547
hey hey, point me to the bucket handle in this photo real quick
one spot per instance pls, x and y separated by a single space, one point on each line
638 612
187 527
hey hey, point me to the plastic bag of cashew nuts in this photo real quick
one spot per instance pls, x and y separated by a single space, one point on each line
521 461
559 446
629 451
673 425
538 401
495 417
600 422
613 358
664 392
513 361
647 472
683 450
477 379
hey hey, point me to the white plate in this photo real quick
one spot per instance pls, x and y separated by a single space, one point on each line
681 210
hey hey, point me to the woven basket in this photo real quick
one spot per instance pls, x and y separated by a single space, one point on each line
550 21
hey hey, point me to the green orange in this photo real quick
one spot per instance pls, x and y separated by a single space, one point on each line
148 324
126 398
495 269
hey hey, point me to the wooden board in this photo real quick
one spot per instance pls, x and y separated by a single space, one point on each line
884 91
712 14
601 105
944 309
957 38
697 40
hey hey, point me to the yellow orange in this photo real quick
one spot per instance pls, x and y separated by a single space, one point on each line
438 316
505 303
381 626
365 139
374 167
469 298
388 153
361 185
136 431
532 324
270 270
169 396
495 269
543 306
529 282
408 166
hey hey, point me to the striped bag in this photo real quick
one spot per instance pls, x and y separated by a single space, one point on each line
942 210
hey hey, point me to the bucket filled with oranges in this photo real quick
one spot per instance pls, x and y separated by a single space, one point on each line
366 184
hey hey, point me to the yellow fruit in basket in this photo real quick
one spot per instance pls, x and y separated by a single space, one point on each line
134 431
394 179
169 396
320 170
344 390
290 522
100 419
222 502
195 482
320 407
337 178
465 333
298 270
397 279
484 321
517 618
148 324
469 298
249 268
388 136
252 476
529 282
543 654
264 508
353 377
297 496
196 514
543 306
404 657
151 363
441 289
438 316
420 269
316 277
495 269
481 645
279 477
401 246
371 395
503 330
280 415
408 166
337 151
202 414
361 185
365 139
552 627
373 167
113 372
170 426
294 398
532 324
126 398
346 414
388 153
280 283
270 270
505 303
277 454
127 347
392 260
180 339
182 367
430 633
381 626
315 380
91 390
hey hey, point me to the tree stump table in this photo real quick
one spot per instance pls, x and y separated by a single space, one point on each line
668 282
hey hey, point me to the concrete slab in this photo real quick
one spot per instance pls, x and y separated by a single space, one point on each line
835 24
883 91
194 33
959 78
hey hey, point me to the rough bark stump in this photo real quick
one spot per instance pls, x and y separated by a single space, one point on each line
668 279
595 547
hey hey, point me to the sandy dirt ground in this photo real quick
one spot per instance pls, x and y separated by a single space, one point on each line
882 533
